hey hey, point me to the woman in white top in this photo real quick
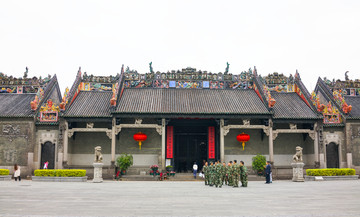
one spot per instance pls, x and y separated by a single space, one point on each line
17 172
195 168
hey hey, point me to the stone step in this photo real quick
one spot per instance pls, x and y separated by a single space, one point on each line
177 177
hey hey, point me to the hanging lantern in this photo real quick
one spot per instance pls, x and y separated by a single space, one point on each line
243 137
140 137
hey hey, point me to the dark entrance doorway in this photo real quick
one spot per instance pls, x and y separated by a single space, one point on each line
48 154
332 155
190 143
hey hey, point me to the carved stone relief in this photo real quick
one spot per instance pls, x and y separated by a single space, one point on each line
138 121
11 132
293 126
246 122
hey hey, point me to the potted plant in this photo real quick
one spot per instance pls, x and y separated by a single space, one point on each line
258 164
172 173
169 168
154 167
124 161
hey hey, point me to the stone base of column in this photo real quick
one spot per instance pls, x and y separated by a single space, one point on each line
349 160
298 174
98 172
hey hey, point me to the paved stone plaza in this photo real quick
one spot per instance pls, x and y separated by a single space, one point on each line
111 198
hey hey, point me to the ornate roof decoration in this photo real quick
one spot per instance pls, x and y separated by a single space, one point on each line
349 87
271 101
316 102
331 114
98 83
188 78
340 100
118 87
39 96
65 99
10 84
49 112
279 83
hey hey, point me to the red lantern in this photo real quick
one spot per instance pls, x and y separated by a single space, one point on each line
243 138
140 137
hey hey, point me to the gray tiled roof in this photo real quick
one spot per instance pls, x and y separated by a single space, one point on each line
191 101
354 101
90 104
16 105
291 106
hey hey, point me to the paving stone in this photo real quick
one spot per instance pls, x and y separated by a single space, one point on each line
154 198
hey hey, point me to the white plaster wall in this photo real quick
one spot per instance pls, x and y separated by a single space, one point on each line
279 160
88 159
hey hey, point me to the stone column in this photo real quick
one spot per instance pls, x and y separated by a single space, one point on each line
316 143
60 160
113 141
66 141
349 160
30 162
163 132
222 145
271 142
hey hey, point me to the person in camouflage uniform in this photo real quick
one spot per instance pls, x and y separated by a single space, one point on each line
206 173
229 173
218 175
211 174
223 171
235 173
243 174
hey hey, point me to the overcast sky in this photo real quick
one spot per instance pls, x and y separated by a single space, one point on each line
319 38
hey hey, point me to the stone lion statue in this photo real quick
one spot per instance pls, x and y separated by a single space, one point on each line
298 155
98 155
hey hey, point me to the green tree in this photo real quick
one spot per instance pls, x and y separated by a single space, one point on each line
258 164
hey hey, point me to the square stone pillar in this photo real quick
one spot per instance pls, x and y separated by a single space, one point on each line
163 146
349 160
322 160
60 160
222 143
66 142
113 141
30 162
271 142
316 143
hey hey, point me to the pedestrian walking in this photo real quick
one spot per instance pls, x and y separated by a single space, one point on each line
195 168
17 172
267 172
46 164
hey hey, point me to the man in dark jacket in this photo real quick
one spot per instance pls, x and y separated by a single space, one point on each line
267 172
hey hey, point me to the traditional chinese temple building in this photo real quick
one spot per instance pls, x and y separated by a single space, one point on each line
179 117
339 102
189 115
29 121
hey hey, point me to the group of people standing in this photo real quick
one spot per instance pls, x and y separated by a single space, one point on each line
217 174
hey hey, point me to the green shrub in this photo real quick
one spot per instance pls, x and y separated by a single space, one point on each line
124 161
258 163
4 172
330 172
60 173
